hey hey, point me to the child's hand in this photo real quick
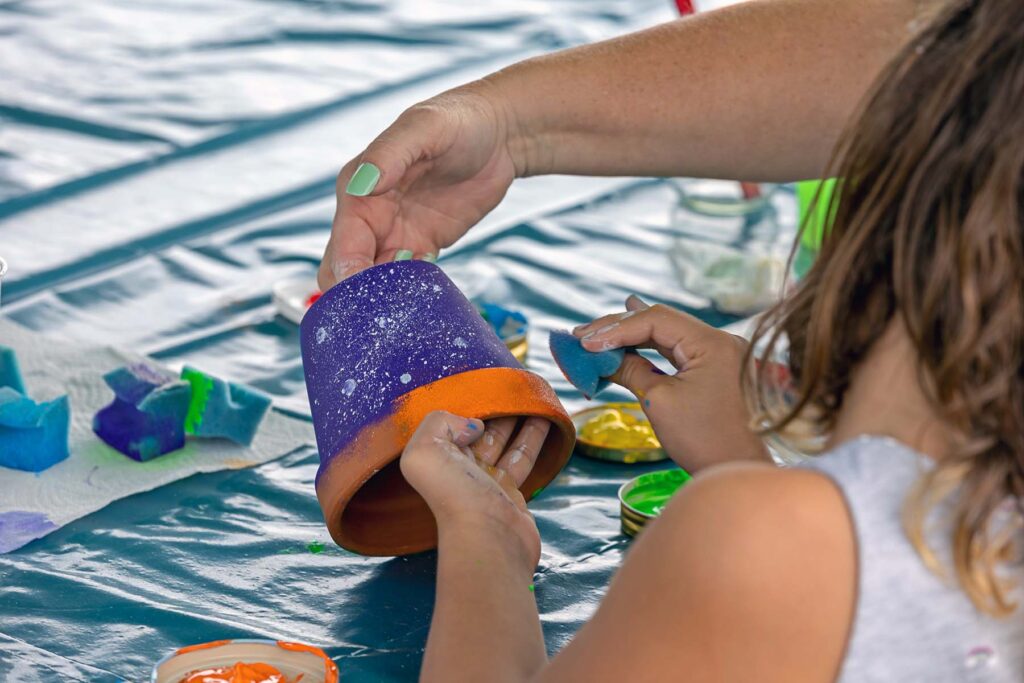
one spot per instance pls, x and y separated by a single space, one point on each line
699 413
469 474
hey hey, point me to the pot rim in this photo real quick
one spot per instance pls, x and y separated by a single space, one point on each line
379 445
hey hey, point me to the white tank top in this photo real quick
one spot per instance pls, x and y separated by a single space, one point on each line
909 624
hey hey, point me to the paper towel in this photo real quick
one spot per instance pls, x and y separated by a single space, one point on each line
33 505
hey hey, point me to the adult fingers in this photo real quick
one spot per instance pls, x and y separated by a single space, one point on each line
521 455
419 133
352 248
388 163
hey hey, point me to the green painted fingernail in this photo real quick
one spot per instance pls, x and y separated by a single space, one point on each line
430 257
363 180
403 255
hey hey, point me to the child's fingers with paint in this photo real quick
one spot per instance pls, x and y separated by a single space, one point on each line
698 413
441 464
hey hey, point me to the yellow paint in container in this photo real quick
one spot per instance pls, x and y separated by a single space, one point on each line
619 432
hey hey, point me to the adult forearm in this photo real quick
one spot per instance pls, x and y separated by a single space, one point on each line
485 625
757 91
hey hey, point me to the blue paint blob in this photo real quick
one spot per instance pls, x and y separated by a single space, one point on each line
18 527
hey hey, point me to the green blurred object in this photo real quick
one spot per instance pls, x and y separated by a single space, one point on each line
814 219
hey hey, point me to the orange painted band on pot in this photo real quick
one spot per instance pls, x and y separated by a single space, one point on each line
368 506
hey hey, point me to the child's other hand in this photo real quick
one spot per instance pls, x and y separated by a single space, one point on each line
699 413
470 472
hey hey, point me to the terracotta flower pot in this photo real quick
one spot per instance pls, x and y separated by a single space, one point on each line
380 351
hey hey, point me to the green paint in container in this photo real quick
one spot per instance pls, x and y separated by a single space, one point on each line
814 201
642 499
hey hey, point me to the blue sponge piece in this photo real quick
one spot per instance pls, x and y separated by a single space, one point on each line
586 370
223 409
33 436
147 416
10 371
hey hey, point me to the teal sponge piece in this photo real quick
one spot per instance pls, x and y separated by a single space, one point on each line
586 370
33 436
10 371
223 409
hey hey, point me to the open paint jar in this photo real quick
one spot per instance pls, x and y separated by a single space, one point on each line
270 660
642 499
3 272
619 432
510 326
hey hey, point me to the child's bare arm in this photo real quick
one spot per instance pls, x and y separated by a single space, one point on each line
748 575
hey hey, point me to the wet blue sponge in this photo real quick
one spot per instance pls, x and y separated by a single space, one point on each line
10 371
586 370
147 416
33 436
223 409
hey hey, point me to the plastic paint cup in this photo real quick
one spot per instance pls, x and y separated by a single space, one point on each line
642 499
292 659
723 198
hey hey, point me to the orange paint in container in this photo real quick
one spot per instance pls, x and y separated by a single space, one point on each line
256 672
246 661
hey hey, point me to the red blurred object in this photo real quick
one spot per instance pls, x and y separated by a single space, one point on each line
312 298
685 6
750 190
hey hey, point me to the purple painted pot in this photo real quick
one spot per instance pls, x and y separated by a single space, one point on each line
382 349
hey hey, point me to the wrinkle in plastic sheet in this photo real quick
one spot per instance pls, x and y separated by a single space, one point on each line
161 166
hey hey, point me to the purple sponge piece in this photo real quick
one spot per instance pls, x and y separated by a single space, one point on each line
586 370
33 436
147 416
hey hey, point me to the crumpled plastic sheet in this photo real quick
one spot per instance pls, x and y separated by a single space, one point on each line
162 165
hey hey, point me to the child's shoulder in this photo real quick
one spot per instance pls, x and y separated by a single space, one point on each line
772 553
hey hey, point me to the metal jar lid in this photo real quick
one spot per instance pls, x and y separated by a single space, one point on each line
642 499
